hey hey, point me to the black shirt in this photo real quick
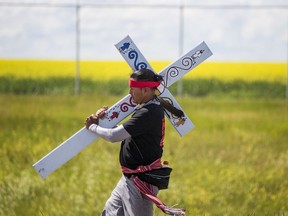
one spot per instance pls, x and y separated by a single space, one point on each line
146 127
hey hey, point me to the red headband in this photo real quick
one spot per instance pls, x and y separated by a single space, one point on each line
143 84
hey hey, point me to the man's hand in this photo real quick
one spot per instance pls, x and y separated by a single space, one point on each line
100 114
94 118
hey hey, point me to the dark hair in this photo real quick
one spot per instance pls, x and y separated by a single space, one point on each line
145 74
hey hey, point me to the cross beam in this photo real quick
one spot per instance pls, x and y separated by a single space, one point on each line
171 74
120 110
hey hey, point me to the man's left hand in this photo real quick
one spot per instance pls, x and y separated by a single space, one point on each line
92 119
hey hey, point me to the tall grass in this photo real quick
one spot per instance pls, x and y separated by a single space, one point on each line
199 87
233 163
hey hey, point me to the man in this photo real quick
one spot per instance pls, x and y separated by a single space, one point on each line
141 150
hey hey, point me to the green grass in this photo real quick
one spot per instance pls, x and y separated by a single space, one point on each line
235 162
195 87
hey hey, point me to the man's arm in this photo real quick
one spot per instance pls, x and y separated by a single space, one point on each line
110 134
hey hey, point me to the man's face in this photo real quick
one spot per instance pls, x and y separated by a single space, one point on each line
137 95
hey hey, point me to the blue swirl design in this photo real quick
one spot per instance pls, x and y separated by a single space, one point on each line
134 55
187 64
174 71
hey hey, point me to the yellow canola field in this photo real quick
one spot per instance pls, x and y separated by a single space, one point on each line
108 70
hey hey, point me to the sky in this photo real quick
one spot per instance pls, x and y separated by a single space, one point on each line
235 30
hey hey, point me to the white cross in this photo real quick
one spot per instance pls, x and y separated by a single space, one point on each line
125 106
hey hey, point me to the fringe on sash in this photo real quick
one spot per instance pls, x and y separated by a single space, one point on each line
147 190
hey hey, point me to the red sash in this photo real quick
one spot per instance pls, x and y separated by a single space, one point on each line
147 189
155 165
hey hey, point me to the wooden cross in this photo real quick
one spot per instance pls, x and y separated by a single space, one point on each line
125 106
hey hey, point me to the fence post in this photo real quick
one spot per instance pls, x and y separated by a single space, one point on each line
77 68
287 64
181 36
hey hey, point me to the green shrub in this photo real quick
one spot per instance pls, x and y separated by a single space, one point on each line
199 87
